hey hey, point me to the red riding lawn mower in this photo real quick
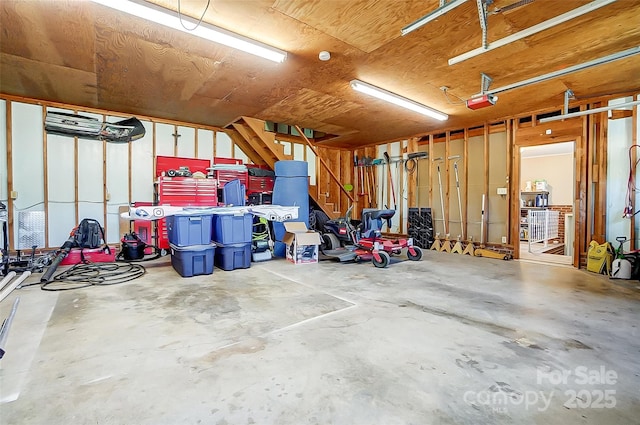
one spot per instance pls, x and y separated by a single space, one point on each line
349 240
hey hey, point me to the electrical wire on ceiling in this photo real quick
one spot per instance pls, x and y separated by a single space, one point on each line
460 100
199 20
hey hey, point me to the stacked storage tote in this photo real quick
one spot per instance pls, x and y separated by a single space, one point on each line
192 252
232 236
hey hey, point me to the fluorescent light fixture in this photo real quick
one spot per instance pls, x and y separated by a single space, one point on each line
431 16
171 19
397 100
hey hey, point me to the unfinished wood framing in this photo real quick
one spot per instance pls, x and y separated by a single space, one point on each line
588 132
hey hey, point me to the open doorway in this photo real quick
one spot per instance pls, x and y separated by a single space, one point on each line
547 213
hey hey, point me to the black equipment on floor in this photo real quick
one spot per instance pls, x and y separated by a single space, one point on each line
132 247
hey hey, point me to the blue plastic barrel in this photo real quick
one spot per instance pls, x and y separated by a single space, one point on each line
291 188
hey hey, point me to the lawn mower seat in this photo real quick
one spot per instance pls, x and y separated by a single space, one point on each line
372 221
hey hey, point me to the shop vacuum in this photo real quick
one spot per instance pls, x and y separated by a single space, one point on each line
132 247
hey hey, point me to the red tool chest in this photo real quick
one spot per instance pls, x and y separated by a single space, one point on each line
259 184
260 180
225 176
183 192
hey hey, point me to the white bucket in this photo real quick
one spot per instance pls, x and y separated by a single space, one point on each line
621 269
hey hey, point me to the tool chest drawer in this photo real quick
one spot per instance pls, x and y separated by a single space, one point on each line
260 184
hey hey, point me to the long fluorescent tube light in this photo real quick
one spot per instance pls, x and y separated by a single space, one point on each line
431 16
589 7
589 111
397 100
171 19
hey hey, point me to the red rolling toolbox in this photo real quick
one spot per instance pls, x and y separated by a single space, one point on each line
183 191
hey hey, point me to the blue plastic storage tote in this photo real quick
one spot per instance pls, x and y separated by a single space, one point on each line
234 256
189 229
231 229
192 260
234 193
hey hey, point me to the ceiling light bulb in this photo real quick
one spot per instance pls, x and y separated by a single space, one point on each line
324 55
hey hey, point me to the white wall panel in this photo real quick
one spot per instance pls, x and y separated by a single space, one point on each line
223 145
205 144
239 154
61 168
112 228
3 152
117 186
186 142
27 158
298 152
94 210
61 179
61 219
619 139
311 160
142 166
90 178
90 164
165 141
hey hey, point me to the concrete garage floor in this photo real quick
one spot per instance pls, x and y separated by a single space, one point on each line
448 340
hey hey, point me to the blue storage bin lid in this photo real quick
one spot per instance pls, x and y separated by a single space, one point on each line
232 245
192 247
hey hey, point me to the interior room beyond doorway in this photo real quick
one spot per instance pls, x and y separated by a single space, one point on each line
546 219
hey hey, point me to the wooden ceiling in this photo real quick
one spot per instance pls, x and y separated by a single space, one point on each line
82 53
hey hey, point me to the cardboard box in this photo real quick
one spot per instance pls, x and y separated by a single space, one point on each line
541 186
302 243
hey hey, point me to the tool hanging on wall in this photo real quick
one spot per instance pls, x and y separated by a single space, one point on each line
361 192
367 184
393 190
411 166
373 201
457 248
455 169
377 194
445 245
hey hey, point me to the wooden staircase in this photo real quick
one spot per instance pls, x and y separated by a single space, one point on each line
261 148
257 143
